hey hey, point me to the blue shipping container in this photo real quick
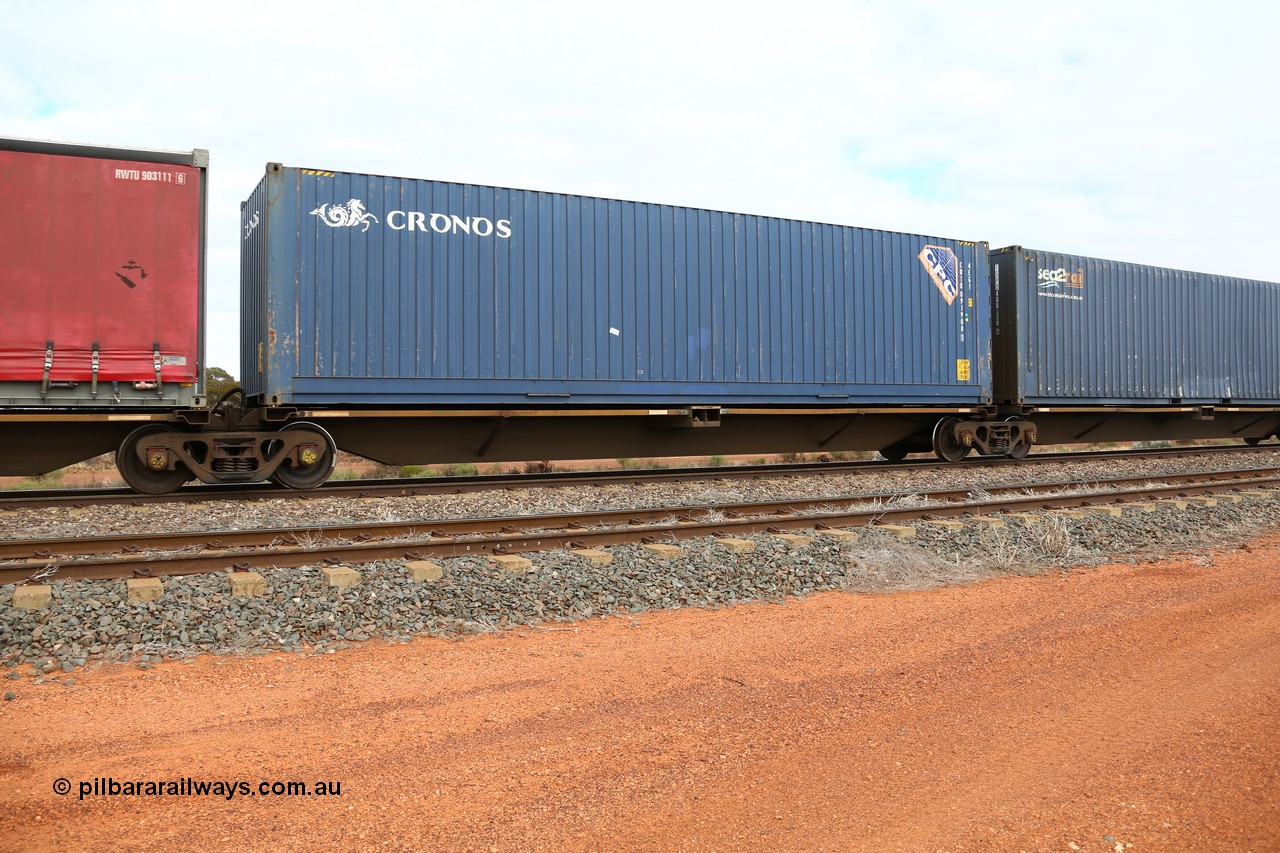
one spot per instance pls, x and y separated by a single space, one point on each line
361 289
1085 331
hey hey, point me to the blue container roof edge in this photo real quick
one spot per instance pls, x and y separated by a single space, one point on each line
485 186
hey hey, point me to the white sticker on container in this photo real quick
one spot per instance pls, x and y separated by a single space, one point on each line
614 332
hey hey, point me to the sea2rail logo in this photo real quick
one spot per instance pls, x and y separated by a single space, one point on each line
1055 279
944 268
354 214
1054 283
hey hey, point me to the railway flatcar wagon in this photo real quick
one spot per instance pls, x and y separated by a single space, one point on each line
1101 350
101 295
424 321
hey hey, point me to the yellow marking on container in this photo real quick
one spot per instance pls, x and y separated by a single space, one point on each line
962 370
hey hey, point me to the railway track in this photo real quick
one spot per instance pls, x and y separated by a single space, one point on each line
186 553
31 499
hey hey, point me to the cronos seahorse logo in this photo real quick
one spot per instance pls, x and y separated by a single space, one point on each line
347 215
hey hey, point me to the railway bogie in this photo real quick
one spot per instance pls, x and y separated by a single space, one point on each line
159 458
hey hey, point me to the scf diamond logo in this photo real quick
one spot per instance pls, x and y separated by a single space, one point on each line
944 268
347 215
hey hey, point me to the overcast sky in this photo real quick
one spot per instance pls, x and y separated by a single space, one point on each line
1132 130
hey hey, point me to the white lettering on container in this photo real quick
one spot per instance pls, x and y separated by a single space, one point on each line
149 175
354 212
447 223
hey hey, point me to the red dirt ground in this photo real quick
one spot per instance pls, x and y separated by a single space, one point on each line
1102 709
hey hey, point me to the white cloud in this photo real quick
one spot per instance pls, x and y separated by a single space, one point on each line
1113 129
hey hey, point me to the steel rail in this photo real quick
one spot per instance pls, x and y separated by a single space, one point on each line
221 540
516 541
30 499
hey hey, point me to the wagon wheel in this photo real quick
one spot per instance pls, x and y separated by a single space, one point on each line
1022 448
1254 442
895 452
315 463
139 475
944 442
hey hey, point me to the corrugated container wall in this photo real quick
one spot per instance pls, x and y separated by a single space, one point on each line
361 289
1071 329
102 285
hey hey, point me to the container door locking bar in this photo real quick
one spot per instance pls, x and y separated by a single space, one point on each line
155 359
48 366
93 366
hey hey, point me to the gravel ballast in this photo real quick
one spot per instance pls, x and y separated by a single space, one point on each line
89 622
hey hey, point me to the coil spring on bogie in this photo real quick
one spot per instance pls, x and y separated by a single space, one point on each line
235 465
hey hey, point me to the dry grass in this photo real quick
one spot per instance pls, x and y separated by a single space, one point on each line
882 564
897 566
